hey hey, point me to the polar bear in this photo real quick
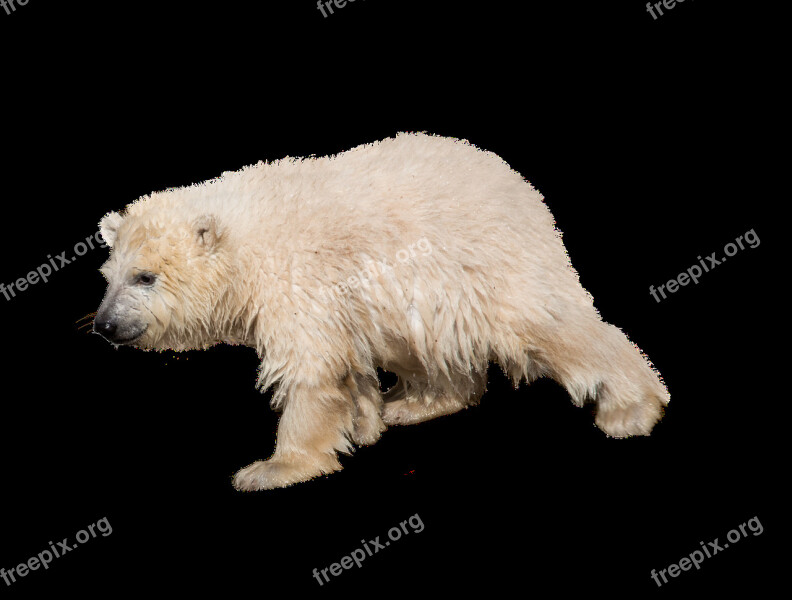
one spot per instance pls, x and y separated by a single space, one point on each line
419 254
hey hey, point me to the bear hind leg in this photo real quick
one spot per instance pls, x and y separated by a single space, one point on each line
597 362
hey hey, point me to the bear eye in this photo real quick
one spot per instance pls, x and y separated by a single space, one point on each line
145 279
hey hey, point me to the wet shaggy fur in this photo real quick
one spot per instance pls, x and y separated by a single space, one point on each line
422 255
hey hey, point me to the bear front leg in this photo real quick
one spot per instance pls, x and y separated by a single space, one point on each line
317 422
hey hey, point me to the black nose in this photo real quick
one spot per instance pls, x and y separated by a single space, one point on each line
106 329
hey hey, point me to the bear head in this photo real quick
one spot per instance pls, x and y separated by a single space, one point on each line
167 275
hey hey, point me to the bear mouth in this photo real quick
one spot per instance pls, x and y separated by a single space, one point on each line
131 339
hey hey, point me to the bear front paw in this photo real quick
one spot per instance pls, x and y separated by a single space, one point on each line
281 472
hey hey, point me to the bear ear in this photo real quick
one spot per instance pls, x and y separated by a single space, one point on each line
108 227
206 231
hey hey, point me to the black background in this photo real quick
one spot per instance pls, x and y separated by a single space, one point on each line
637 131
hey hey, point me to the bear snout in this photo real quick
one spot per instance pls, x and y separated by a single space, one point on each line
117 331
106 328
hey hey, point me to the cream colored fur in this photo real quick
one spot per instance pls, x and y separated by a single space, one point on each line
420 254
